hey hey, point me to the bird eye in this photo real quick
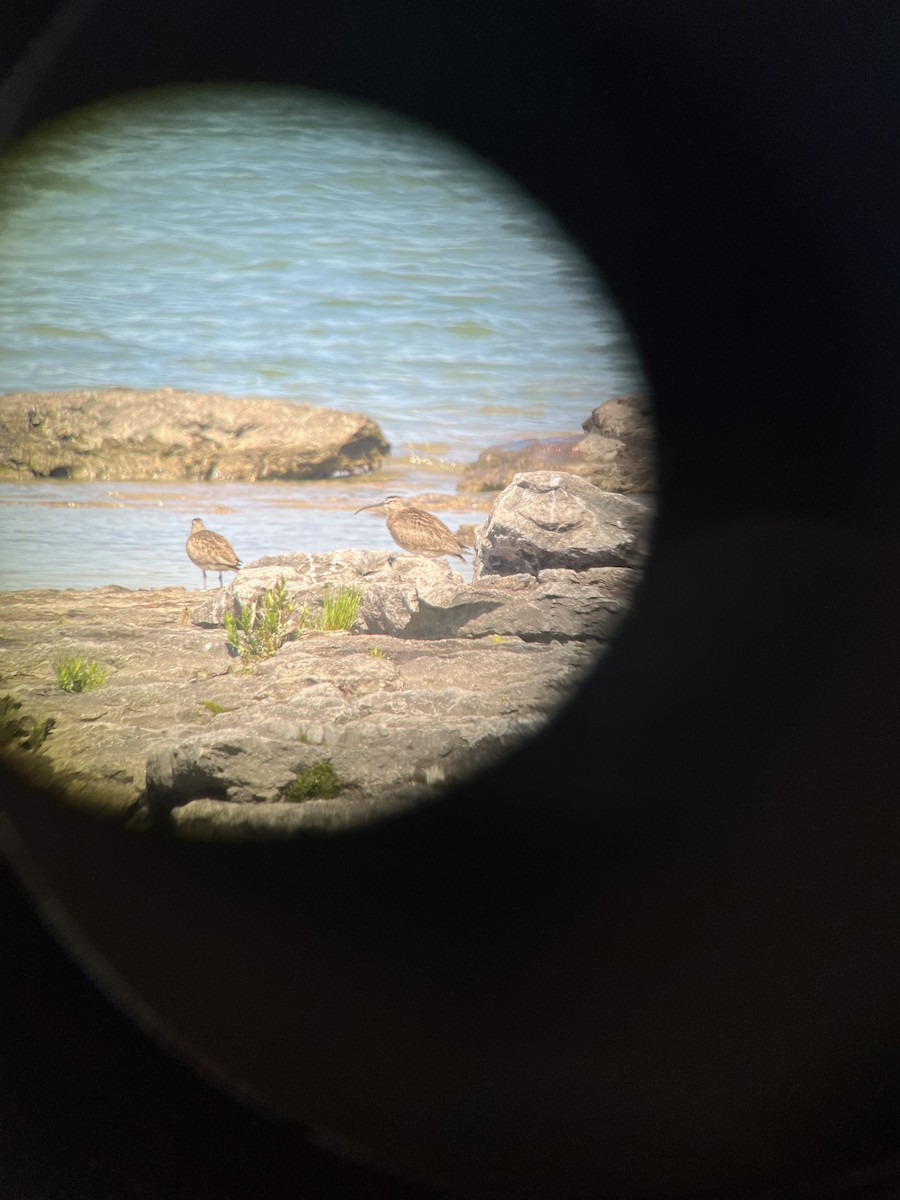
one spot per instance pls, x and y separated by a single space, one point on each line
340 463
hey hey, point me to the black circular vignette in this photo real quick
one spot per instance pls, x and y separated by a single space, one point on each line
652 953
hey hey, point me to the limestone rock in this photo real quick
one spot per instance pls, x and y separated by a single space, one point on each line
396 728
405 596
121 433
183 735
617 453
556 605
549 520
220 821
391 584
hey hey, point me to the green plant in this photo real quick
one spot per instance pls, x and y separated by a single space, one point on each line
316 782
213 707
79 674
376 653
339 609
37 735
31 732
261 629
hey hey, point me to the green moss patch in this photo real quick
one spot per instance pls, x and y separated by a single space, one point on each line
316 782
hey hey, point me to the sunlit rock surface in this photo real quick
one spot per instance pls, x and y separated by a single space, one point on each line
181 721
547 520
436 678
123 434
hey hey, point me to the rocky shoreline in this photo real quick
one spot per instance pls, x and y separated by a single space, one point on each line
436 677
433 677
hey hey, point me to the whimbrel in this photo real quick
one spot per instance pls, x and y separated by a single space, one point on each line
416 530
210 551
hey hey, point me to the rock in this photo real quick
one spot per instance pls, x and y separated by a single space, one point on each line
438 677
391 584
495 467
394 728
548 520
557 605
120 433
405 596
617 453
183 735
220 821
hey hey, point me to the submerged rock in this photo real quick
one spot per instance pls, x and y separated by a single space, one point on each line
617 453
124 434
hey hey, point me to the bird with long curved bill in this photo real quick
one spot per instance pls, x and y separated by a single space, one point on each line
417 531
210 551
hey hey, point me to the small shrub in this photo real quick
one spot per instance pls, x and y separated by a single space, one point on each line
10 723
262 628
316 782
79 674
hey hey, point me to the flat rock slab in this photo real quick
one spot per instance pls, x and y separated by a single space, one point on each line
182 734
124 434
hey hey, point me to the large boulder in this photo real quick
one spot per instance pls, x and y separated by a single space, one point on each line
548 520
121 433
616 454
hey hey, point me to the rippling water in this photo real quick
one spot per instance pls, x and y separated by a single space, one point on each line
277 242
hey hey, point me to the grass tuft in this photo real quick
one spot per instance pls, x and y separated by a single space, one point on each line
339 608
80 674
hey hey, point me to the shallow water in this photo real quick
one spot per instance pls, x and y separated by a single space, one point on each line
270 241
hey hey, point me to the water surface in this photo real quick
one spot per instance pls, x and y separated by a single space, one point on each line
277 242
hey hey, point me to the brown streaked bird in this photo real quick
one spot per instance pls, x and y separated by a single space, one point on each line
416 530
210 551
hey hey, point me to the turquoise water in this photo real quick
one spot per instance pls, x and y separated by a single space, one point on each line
277 242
